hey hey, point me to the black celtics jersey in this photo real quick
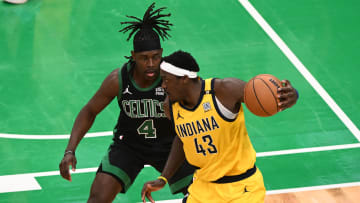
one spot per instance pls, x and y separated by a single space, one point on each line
142 124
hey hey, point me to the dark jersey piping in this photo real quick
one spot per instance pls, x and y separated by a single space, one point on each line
216 105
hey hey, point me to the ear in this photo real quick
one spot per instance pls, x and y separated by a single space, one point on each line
133 55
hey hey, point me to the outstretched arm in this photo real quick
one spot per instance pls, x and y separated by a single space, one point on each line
230 91
84 120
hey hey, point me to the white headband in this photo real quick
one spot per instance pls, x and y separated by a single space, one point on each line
176 70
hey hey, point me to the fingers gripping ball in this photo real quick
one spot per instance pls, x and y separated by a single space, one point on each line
260 95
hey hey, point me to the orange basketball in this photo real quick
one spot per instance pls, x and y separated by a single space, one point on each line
260 95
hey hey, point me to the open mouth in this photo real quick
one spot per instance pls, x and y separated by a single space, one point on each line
150 73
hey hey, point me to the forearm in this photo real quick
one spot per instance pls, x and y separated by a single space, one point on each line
82 124
175 159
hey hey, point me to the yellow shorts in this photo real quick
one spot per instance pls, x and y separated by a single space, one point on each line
250 190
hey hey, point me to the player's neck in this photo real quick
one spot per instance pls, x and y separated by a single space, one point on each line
143 83
192 96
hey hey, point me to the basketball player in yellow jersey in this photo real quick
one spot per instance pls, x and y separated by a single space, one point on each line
211 134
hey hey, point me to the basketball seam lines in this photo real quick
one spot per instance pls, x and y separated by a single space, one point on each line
258 98
277 107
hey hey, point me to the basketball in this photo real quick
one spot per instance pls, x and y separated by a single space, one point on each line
260 95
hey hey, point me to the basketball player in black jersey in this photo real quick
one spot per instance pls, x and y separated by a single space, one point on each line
143 135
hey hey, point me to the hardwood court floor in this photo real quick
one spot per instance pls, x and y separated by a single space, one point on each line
336 195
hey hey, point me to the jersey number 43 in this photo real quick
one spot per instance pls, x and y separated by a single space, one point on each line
206 145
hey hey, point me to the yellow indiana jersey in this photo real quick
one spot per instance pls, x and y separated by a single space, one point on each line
217 145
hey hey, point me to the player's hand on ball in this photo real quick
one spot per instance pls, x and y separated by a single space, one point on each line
287 95
260 95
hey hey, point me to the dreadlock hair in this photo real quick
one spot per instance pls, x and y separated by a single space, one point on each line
148 29
183 60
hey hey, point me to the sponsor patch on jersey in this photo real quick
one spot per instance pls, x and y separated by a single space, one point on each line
159 91
207 106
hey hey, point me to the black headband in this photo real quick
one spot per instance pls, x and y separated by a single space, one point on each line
147 45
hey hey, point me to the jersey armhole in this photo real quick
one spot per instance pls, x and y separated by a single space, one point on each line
217 106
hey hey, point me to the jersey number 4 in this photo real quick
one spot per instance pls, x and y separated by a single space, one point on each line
147 129
211 148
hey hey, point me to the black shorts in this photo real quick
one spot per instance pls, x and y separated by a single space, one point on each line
125 163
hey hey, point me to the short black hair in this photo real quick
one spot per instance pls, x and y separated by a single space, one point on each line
148 29
182 60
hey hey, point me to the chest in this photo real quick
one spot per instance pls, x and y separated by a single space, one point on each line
143 103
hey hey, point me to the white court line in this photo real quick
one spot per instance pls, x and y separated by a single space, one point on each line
319 187
168 201
51 137
17 183
306 150
301 68
26 182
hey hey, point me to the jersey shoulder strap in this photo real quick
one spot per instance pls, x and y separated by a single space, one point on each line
209 86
